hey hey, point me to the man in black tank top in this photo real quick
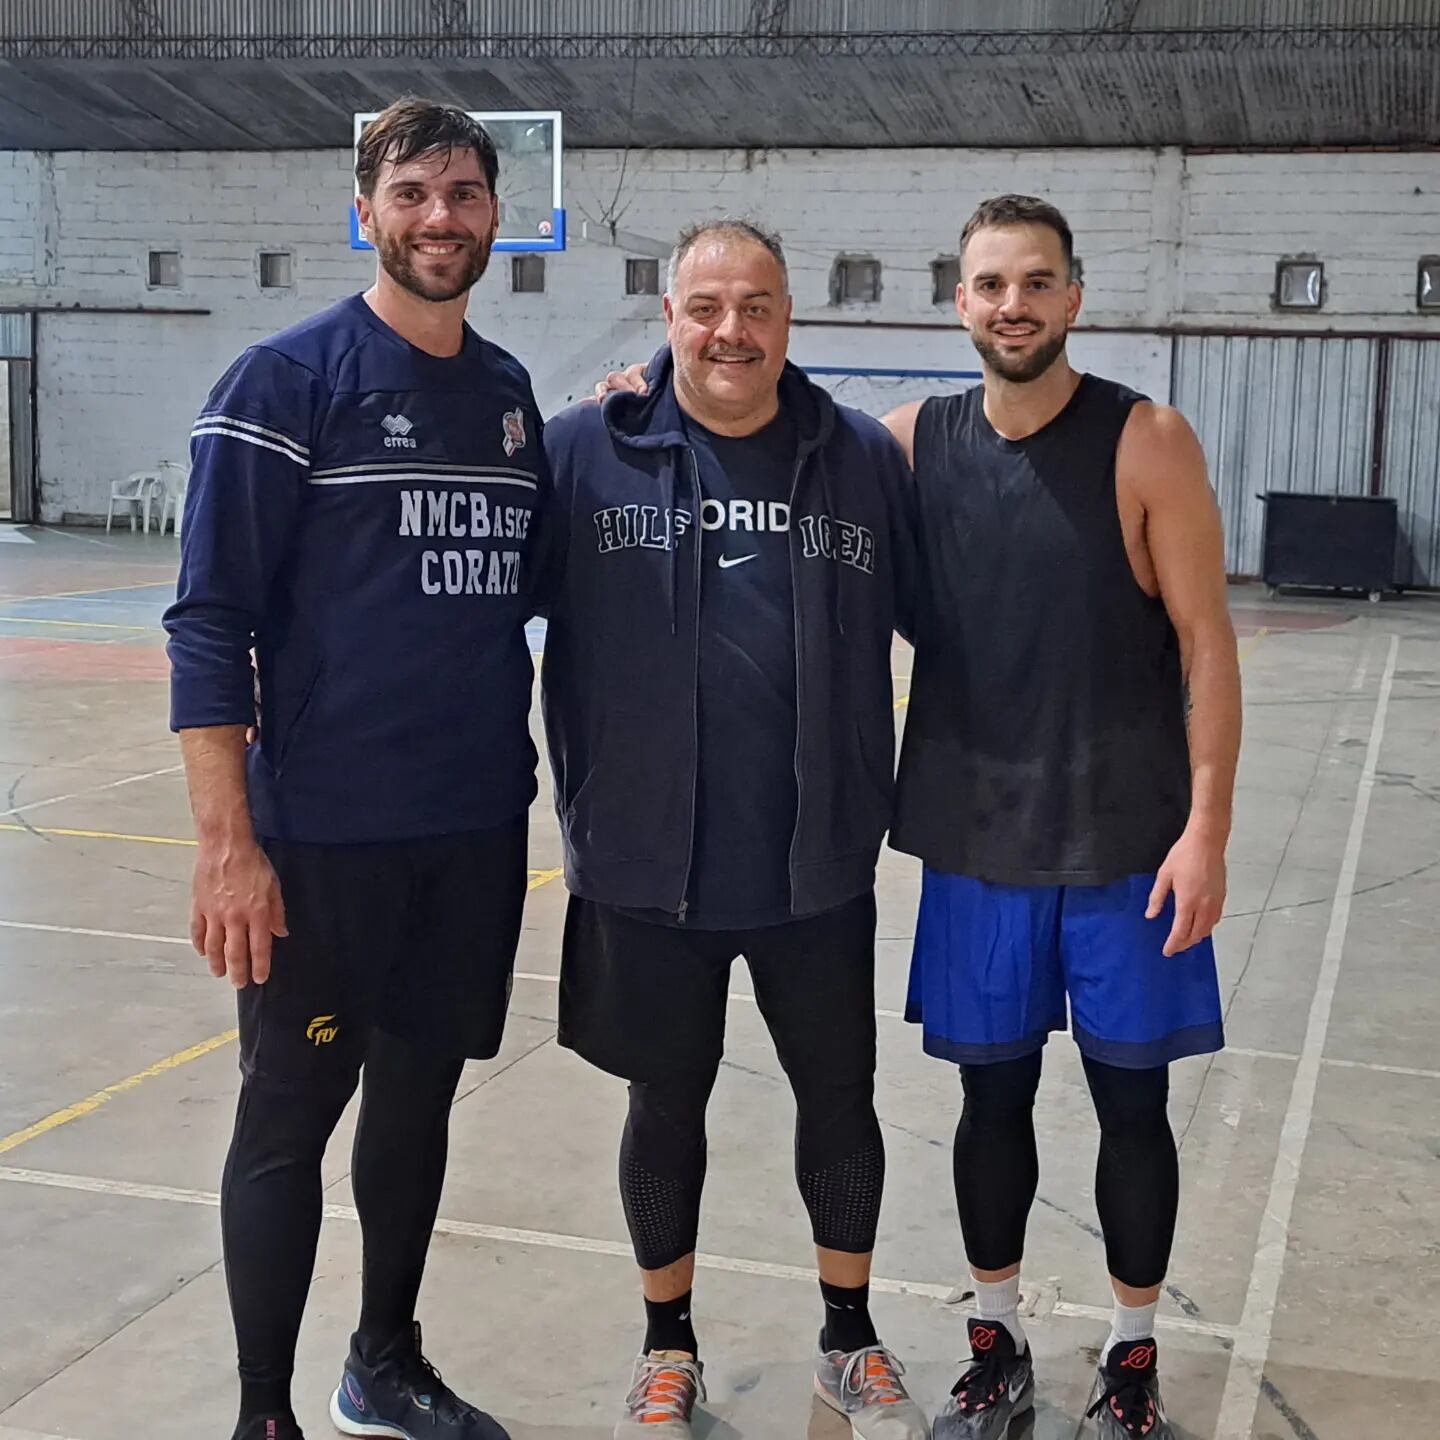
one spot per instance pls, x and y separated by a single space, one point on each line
1066 776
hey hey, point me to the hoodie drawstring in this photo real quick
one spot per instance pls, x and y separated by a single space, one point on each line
837 586
671 574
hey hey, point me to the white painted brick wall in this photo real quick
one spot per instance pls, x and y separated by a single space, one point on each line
1166 239
20 192
1368 217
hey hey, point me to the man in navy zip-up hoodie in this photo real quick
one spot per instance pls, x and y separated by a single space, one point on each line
359 512
726 559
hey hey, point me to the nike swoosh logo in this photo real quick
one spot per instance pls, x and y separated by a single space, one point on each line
728 563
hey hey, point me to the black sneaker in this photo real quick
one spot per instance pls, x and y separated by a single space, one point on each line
269 1427
402 1395
1129 1404
998 1386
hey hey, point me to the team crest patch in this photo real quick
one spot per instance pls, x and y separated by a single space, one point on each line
514 423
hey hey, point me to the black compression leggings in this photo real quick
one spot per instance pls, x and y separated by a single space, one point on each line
271 1200
1137 1175
839 1165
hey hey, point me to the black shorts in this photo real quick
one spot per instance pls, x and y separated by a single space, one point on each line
646 1001
415 937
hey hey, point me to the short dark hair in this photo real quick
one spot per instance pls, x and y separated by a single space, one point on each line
413 127
1020 210
735 228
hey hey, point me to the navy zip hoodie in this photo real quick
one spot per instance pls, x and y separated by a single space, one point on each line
620 581
360 513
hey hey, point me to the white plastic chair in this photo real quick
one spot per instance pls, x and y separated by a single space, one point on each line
169 489
134 490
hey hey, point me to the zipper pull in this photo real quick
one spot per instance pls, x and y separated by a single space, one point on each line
680 913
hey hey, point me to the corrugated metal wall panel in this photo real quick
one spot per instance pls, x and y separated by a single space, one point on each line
1411 462
1276 414
15 332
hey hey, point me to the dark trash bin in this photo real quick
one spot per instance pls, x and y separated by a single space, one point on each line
1329 542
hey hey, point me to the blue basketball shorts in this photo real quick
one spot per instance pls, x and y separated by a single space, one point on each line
994 966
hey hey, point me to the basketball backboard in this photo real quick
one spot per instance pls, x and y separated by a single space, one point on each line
531 146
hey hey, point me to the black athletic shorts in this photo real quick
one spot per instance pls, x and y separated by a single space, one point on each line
646 1001
415 937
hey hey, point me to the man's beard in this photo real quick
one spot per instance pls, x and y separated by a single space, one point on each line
398 260
1019 368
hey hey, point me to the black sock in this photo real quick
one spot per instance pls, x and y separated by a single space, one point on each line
278 1424
668 1326
848 1325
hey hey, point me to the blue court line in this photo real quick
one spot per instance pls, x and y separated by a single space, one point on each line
893 374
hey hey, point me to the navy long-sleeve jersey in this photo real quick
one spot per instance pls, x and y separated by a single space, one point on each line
360 515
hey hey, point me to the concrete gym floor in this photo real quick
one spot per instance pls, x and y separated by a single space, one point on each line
1304 1299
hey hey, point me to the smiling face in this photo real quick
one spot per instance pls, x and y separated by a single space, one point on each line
1017 298
728 315
432 220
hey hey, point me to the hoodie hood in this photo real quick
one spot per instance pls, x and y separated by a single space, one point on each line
655 419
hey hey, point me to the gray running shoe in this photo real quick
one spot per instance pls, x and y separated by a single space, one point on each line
864 1386
1129 1405
998 1386
663 1391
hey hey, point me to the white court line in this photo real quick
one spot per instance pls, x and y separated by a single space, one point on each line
1386 1069
91 790
576 1244
539 979
1257 1321
1168 1322
97 934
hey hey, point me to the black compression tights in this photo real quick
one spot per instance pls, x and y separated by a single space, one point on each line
271 1200
1137 1176
839 1165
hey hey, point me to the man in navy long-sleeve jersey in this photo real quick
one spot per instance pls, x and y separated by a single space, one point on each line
359 516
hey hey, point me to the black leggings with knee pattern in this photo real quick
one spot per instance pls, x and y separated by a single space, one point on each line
839 1164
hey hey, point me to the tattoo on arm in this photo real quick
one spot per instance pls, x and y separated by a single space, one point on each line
1188 704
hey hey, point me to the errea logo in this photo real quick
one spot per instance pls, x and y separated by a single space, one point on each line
397 432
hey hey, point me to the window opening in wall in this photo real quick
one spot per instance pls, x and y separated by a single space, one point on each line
855 279
1299 284
527 274
276 270
642 277
1427 283
164 269
17 428
944 277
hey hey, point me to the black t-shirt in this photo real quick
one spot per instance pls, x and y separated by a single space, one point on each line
746 791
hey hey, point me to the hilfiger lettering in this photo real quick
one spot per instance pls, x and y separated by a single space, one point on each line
656 527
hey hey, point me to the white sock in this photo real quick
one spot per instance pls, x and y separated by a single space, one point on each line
1131 1322
1001 1303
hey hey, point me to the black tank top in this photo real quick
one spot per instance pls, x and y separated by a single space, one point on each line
1045 740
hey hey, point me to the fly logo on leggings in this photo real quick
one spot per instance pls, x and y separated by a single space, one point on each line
321 1031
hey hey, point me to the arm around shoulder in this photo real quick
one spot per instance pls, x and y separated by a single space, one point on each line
900 422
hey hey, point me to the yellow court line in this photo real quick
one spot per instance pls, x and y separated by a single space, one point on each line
78 624
78 594
1248 648
95 834
93 1102
537 877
